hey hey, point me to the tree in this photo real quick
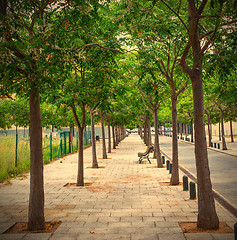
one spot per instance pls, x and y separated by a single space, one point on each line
202 23
26 44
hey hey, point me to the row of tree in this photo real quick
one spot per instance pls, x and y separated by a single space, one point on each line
120 59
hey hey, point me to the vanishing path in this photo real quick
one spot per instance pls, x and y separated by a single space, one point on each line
126 200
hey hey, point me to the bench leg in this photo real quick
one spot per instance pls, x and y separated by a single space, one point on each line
140 160
148 160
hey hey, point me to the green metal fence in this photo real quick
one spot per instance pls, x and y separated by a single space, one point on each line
15 150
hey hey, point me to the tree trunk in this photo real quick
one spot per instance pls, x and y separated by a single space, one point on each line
209 130
207 217
181 130
175 167
94 157
156 144
220 130
114 141
224 147
103 137
145 132
191 130
36 220
149 131
231 132
186 131
109 137
80 173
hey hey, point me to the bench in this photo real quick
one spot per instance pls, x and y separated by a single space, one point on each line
145 155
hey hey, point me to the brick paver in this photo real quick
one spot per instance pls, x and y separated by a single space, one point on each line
124 201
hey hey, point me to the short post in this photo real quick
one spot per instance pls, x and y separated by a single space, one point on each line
192 190
167 165
214 145
170 171
235 229
218 145
185 183
163 158
211 144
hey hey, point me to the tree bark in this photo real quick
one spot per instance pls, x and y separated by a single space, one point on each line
80 172
191 130
145 132
231 132
156 144
207 217
36 220
149 131
114 141
224 147
103 137
94 157
220 130
109 138
175 167
209 130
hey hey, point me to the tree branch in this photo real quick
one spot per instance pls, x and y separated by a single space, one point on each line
175 14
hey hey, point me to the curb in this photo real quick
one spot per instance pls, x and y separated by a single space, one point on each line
219 198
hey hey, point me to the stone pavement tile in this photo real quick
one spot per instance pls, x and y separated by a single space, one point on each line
38 236
108 219
5 225
150 224
222 236
59 236
97 236
171 236
12 236
231 223
147 236
198 236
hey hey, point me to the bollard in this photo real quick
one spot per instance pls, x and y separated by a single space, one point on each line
192 190
167 165
214 145
163 158
170 171
218 145
185 183
211 144
235 229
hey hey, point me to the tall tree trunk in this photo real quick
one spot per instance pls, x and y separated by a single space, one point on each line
186 131
109 137
175 161
36 220
103 136
207 216
191 130
231 132
220 130
114 140
145 132
181 130
224 147
209 130
149 131
156 144
80 172
94 157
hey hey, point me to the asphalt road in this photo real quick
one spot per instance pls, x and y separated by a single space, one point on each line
223 167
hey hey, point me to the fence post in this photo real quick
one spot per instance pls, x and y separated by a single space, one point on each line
69 140
16 150
61 145
51 148
65 144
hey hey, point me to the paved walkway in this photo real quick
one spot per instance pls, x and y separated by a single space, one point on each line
125 200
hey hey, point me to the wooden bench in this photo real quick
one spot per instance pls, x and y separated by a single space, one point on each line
145 155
